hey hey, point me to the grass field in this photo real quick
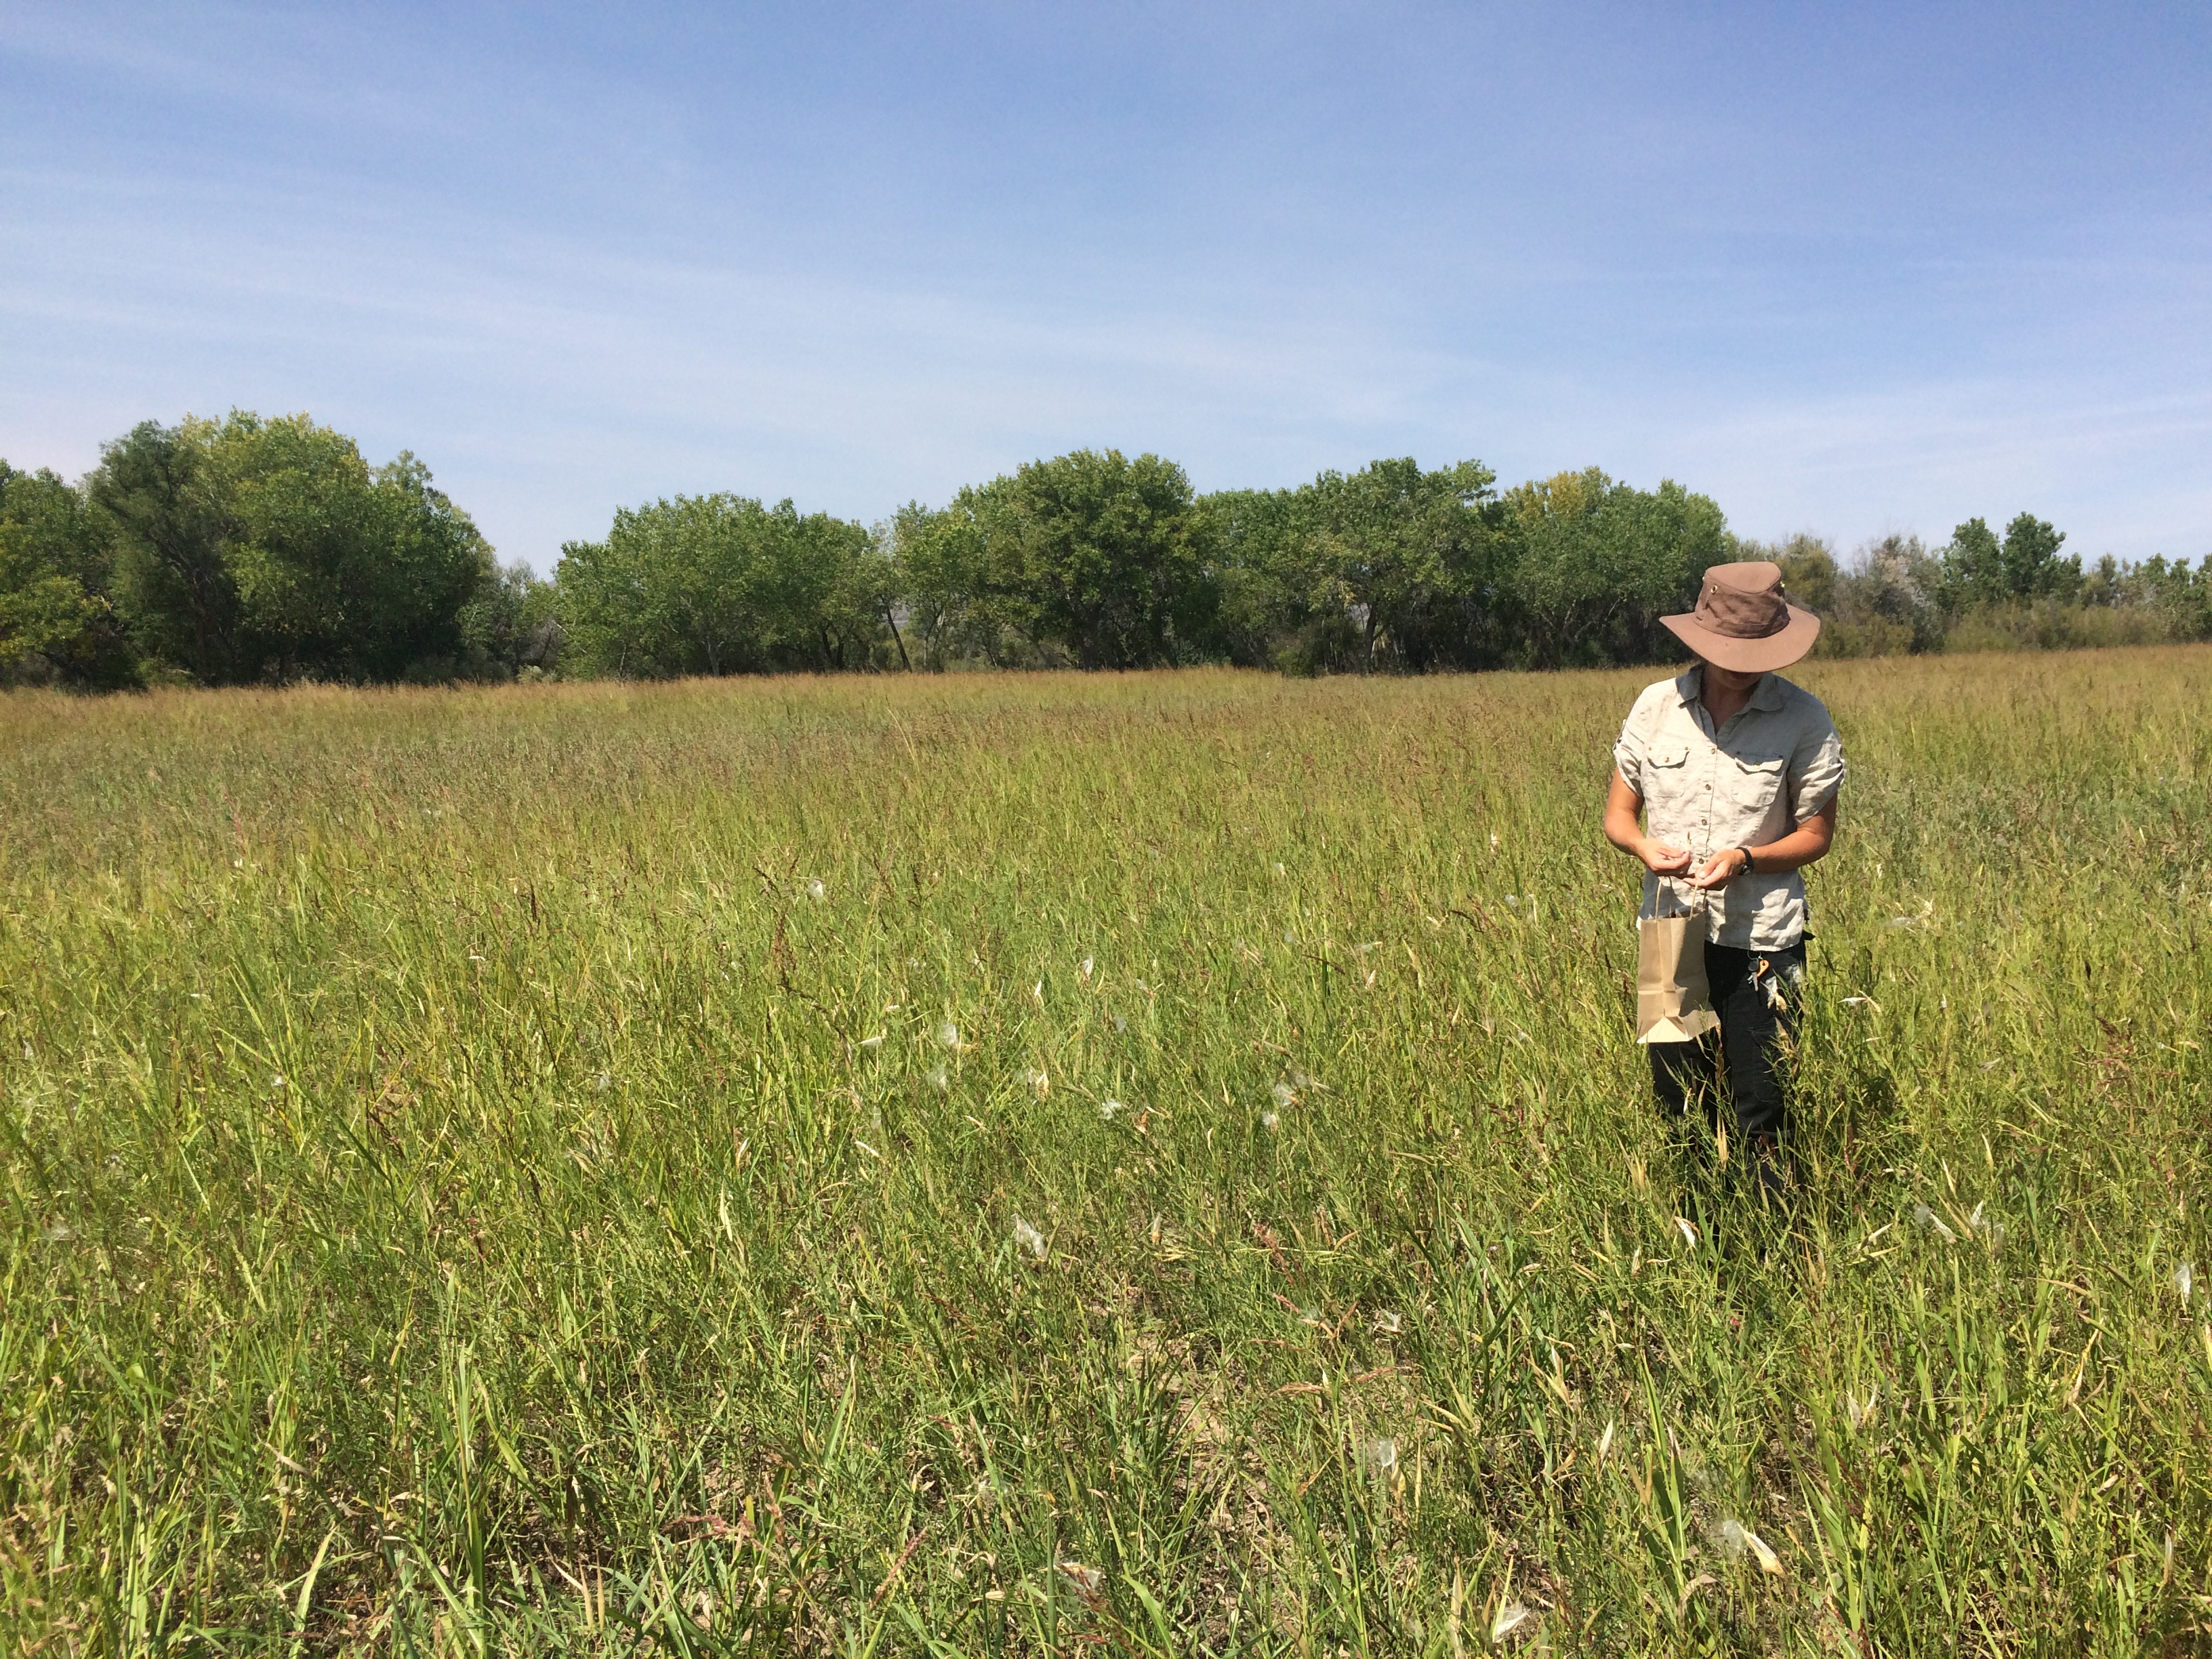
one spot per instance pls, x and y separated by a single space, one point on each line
1031 1164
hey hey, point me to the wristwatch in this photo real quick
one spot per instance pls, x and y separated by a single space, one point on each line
1747 861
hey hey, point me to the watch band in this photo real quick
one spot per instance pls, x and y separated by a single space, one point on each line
1750 864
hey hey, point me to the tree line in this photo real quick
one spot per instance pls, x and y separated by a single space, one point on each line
258 551
1984 592
250 551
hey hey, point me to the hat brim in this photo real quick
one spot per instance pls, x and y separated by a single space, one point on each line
1759 656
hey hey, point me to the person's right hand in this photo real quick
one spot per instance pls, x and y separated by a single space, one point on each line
1661 859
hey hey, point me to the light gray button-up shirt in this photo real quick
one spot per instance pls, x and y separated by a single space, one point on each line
1777 762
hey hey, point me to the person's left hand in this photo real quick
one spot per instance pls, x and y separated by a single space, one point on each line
1718 870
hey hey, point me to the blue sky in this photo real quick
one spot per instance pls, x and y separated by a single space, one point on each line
1853 270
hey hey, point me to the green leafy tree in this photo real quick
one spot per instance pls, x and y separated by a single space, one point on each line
940 580
173 583
2031 564
1411 557
1974 568
719 585
1090 557
1596 562
1110 552
511 627
2167 588
864 605
1267 580
261 549
56 620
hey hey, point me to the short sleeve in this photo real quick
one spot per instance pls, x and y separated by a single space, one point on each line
1628 753
1816 770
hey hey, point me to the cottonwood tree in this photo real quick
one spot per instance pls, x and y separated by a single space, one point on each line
260 549
1595 563
940 576
58 622
1110 551
720 585
1267 613
157 491
1411 558
1092 556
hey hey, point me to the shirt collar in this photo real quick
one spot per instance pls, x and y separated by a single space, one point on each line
1766 696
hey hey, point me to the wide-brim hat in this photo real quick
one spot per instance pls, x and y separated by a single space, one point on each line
1742 623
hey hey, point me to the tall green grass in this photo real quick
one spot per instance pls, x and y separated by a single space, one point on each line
1032 1165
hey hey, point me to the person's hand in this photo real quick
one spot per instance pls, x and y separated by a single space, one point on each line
1661 859
1719 870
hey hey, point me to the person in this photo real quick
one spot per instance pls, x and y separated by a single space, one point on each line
1735 772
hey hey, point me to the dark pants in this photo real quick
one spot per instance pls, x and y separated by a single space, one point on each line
1755 993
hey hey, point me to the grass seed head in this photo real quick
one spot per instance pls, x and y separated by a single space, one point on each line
1987 1225
1028 1238
1861 1414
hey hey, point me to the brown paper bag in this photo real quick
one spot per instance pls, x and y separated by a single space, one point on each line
1674 1001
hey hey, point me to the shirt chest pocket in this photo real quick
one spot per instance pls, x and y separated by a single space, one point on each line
1755 783
1666 776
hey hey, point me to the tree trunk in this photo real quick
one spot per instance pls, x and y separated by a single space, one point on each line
892 622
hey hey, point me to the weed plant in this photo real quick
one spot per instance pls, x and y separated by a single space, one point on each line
1026 1164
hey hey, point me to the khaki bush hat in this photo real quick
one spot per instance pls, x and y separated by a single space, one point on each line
1743 623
